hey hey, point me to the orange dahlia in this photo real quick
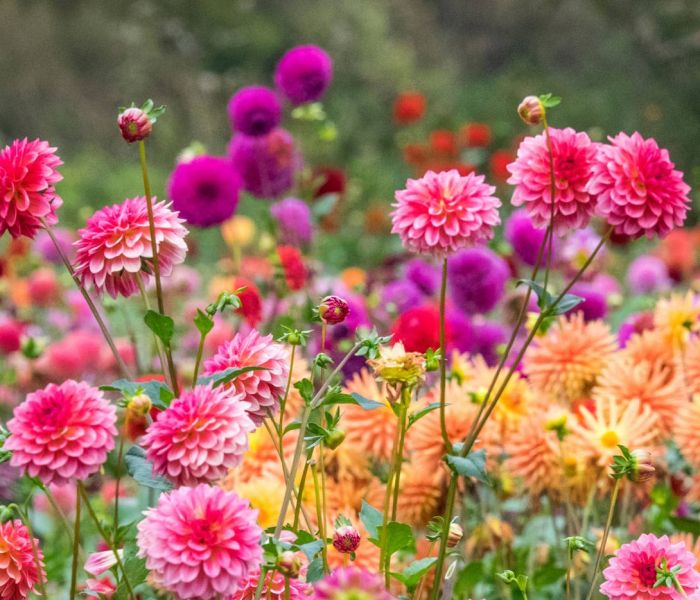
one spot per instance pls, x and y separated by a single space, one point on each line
677 317
690 365
685 431
420 494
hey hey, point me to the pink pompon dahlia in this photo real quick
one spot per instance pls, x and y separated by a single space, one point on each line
261 389
573 154
443 212
115 247
200 542
27 195
62 433
631 573
273 588
18 569
200 436
639 190
351 582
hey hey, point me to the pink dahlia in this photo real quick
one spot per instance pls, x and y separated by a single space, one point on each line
261 389
200 436
631 573
200 542
62 433
27 177
443 212
115 247
573 155
273 588
344 582
18 569
639 191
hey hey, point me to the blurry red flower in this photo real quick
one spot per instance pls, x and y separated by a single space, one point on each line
251 301
331 181
443 141
293 266
419 329
409 107
415 153
475 135
500 159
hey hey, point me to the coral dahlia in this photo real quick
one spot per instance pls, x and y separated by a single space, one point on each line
18 569
351 582
272 589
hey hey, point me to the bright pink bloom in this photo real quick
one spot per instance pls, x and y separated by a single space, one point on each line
639 191
135 125
27 177
261 389
104 587
573 155
200 436
341 584
18 572
443 212
199 542
62 433
631 573
273 588
99 562
115 247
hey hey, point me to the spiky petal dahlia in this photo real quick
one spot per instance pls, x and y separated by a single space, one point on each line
443 212
685 431
200 542
18 569
573 154
567 361
262 389
201 435
62 433
351 582
272 589
692 365
114 250
676 318
631 573
27 177
639 191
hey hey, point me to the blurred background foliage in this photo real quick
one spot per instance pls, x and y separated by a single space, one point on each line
68 64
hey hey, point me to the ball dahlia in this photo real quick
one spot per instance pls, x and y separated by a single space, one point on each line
200 542
573 154
18 569
261 389
200 436
254 110
115 247
443 212
639 191
304 73
477 278
631 573
294 221
351 582
62 433
27 195
524 237
418 329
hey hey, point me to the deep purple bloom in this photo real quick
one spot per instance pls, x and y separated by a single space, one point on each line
267 164
594 305
462 330
524 237
487 337
204 190
254 110
648 275
46 248
293 218
425 275
303 74
400 295
477 278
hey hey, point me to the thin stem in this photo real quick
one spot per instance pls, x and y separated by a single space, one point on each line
604 541
419 593
120 456
198 360
35 552
568 576
319 516
302 484
387 500
156 339
443 359
552 194
451 493
261 582
405 399
76 545
283 403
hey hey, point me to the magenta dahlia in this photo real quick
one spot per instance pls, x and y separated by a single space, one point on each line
573 154
62 433
639 190
27 195
254 110
443 212
261 389
115 247
200 436
631 573
304 73
351 582
18 569
200 542
272 589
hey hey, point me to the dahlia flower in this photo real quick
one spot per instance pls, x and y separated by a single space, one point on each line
62 433
18 571
486 339
204 190
409 107
425 275
265 495
44 246
200 436
443 212
400 295
272 589
27 195
293 218
135 124
421 493
254 110
685 430
351 582
692 365
595 303
477 278
115 247
648 275
304 73
333 310
292 263
261 389
677 318
418 329
578 247
524 237
639 191
573 154
631 572
200 542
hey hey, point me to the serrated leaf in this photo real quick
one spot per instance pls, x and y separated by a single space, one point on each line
366 403
472 465
371 518
203 322
161 325
140 468
226 376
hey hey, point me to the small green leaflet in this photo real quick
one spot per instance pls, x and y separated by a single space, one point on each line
203 322
371 518
472 465
141 470
414 572
160 394
161 325
226 375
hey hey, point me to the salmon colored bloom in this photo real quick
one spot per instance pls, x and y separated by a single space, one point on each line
692 365
685 430
677 318
18 569
272 589
351 582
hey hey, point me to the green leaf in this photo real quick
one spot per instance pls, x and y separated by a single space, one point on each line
567 303
203 322
550 101
160 394
544 298
419 414
293 426
468 577
686 525
136 573
371 518
547 575
141 470
311 549
472 465
335 396
314 572
306 389
399 536
161 325
226 375
414 572
366 403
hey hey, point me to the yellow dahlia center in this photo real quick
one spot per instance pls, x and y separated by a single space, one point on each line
610 439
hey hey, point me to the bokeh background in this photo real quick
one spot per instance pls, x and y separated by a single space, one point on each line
67 65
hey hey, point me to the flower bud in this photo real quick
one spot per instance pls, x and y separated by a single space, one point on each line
289 564
454 535
139 405
333 310
346 539
134 124
531 110
335 438
642 467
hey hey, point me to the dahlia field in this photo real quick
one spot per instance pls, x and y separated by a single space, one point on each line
507 406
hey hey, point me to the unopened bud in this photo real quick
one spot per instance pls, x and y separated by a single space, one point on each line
346 539
531 110
335 438
139 405
642 467
454 536
134 124
333 310
289 564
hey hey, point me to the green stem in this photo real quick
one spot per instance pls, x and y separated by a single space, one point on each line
568 576
24 516
403 415
552 194
319 516
156 340
120 457
283 403
261 582
387 500
300 495
76 545
604 541
198 360
443 360
439 565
